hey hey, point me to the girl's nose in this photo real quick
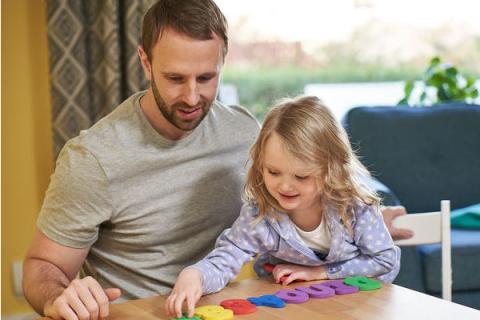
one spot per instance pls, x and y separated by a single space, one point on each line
286 186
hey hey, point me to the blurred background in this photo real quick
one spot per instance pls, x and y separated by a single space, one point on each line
277 49
51 71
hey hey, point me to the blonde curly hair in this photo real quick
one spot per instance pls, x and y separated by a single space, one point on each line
310 134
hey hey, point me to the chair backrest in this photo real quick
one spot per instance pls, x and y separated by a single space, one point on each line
431 227
428 151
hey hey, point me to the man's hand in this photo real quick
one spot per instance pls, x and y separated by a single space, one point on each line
294 272
389 214
82 299
188 287
50 286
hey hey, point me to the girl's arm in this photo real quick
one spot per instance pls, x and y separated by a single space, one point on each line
378 257
233 248
188 287
286 273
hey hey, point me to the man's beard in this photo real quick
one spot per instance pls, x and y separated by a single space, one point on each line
169 112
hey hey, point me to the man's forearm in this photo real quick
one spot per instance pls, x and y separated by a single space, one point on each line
42 283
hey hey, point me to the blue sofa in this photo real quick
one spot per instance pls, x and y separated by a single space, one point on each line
424 155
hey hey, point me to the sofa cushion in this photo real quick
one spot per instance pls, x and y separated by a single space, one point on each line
466 218
423 155
467 298
411 270
388 198
465 262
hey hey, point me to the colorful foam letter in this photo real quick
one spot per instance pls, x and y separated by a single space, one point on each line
239 306
317 291
268 300
268 267
212 312
340 287
292 296
185 317
363 283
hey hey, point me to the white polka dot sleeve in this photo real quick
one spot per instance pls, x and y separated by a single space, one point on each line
377 255
234 247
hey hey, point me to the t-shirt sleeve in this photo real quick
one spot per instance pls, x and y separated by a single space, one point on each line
77 200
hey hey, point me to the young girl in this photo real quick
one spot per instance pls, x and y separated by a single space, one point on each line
306 210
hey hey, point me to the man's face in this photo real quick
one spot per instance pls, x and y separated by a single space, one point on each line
184 75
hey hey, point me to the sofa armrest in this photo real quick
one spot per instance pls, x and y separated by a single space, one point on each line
388 198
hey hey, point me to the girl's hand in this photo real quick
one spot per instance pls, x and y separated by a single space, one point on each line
188 287
294 272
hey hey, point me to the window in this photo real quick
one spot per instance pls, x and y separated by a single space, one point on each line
280 48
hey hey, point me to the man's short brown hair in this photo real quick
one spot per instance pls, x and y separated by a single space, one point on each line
198 19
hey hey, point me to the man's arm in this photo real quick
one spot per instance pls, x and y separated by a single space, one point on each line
49 286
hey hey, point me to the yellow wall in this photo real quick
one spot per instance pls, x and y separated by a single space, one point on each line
26 133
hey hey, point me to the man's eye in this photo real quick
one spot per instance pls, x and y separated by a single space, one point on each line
205 78
175 79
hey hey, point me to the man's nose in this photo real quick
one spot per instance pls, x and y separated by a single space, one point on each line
191 96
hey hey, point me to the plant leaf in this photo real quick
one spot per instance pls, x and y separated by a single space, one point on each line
408 88
451 71
434 63
435 60
404 100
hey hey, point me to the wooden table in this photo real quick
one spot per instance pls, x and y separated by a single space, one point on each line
388 303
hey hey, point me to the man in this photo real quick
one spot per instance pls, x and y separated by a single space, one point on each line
146 190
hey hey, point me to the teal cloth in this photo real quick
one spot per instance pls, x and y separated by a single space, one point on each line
466 218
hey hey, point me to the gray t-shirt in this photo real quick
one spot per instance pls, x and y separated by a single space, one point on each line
147 206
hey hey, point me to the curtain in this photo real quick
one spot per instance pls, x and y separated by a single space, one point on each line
93 60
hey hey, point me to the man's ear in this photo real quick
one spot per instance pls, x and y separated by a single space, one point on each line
146 65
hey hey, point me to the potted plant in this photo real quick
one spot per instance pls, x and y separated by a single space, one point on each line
441 83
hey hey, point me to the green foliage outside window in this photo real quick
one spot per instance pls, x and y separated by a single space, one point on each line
259 88
440 83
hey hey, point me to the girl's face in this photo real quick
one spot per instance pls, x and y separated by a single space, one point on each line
287 180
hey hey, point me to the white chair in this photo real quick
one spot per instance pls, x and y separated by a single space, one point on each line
431 227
